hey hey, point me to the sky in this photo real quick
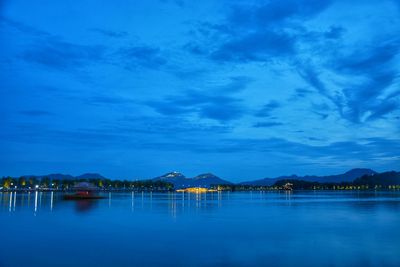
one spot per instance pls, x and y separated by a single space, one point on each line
242 89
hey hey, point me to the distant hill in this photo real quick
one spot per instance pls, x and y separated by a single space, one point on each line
384 178
90 176
59 176
348 176
53 176
175 178
202 180
208 179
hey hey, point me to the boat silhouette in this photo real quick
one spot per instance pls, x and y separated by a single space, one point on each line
83 190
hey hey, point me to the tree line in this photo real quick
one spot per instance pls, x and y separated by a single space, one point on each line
10 183
386 180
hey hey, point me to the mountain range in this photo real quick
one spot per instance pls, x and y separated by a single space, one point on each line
207 179
59 176
180 181
348 176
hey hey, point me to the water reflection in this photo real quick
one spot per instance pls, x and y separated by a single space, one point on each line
213 229
133 201
185 202
36 201
51 201
11 198
85 205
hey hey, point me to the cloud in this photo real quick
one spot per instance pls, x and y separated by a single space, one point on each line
334 32
258 32
125 132
104 99
383 108
308 73
222 111
168 108
275 12
63 55
267 124
110 33
160 125
376 66
143 56
255 47
368 59
302 93
321 110
22 28
366 71
216 107
52 51
180 3
276 31
133 133
237 83
369 150
268 108
35 113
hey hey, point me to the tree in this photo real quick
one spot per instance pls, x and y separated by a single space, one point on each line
22 182
45 182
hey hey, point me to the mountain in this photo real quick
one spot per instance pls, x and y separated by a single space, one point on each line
90 176
208 179
180 181
59 176
171 175
348 176
53 176
384 178
175 178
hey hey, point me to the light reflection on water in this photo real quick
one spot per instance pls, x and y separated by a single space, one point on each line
182 229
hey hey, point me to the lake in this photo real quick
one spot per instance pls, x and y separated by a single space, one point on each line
321 228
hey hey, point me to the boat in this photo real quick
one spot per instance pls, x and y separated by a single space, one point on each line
84 190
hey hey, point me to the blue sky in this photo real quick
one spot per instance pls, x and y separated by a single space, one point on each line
243 89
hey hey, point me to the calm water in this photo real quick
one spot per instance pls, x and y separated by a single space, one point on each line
216 229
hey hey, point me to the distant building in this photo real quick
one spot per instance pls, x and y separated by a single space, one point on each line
288 186
84 186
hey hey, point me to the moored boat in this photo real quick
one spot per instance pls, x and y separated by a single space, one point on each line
83 190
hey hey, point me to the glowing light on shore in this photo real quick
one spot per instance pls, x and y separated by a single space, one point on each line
196 190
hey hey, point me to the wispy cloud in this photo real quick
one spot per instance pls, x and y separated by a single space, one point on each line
142 56
205 105
108 99
35 113
110 33
268 108
267 124
258 32
63 55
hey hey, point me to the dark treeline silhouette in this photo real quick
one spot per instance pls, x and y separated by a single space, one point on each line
385 180
32 183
